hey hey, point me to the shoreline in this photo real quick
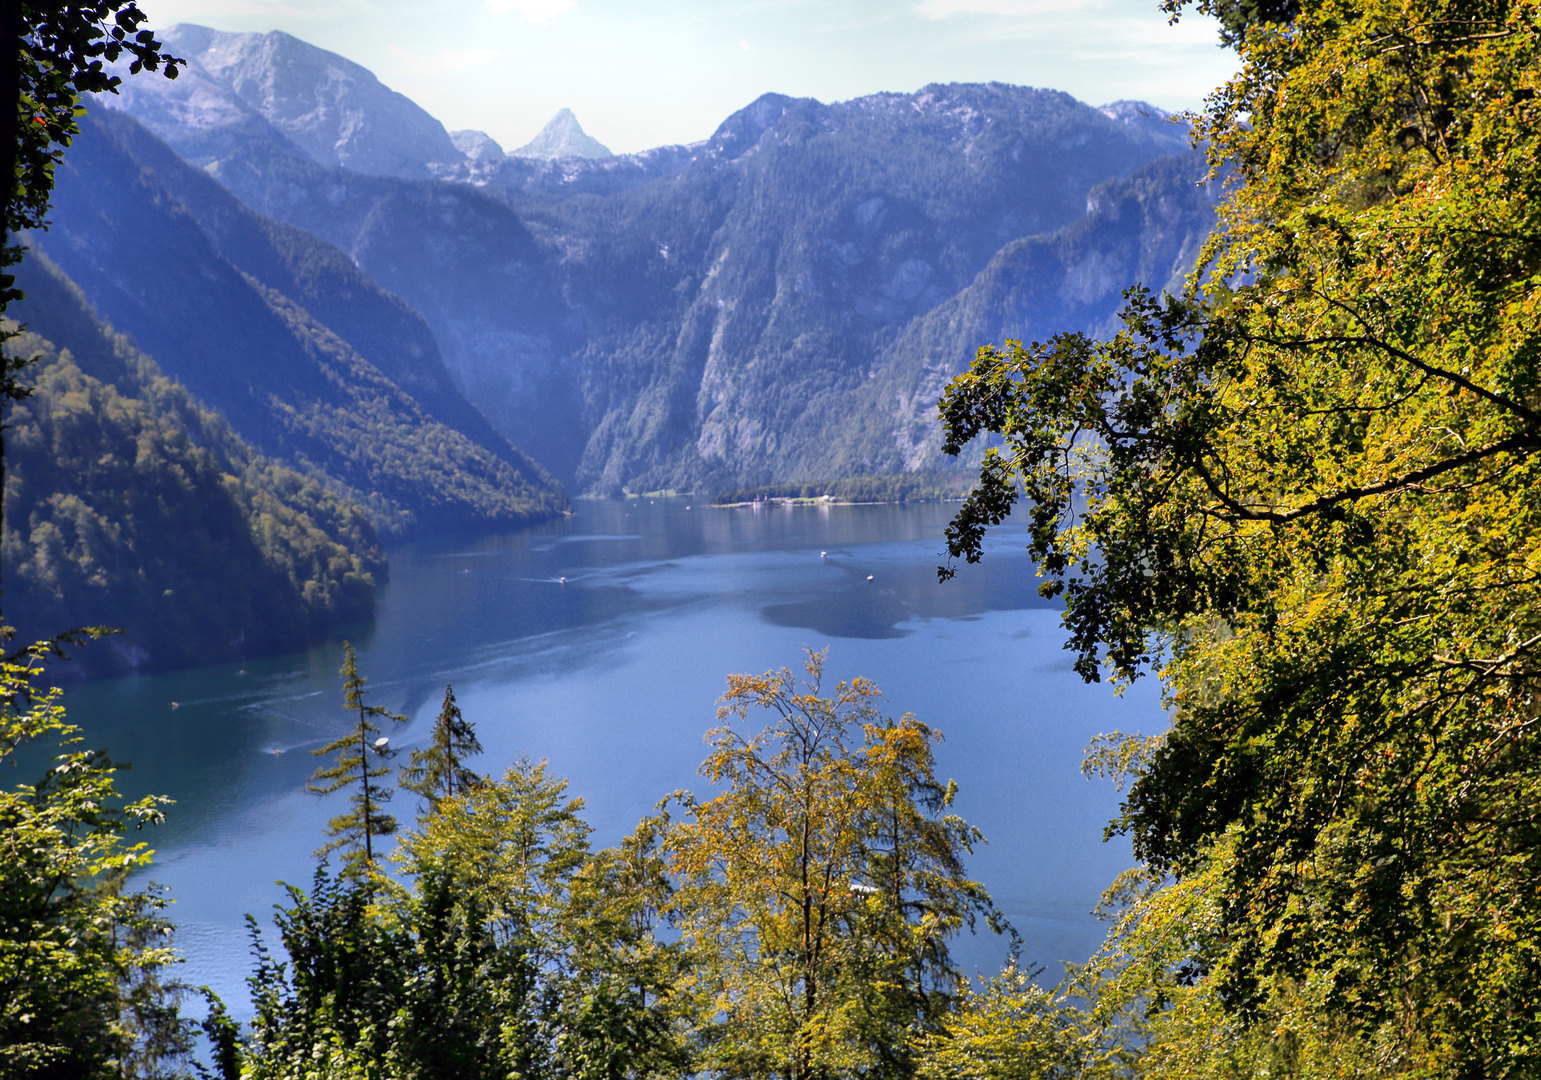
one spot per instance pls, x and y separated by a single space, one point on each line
830 500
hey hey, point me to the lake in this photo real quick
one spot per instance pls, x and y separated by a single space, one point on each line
601 643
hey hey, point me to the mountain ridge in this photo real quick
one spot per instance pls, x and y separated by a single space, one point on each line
711 316
287 382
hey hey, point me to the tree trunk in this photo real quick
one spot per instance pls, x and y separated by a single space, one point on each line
363 741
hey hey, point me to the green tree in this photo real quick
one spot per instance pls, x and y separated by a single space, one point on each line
818 892
327 1010
437 771
516 842
82 957
1012 1029
1307 492
355 831
621 1012
568 978
509 950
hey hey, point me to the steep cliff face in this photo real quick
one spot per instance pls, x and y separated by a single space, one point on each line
1146 228
798 249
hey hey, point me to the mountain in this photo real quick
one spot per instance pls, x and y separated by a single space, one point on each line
477 146
309 359
796 251
779 303
563 137
274 87
129 504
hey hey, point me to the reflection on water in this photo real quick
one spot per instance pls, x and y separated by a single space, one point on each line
601 643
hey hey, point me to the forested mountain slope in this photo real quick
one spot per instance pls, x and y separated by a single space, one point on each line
130 505
307 358
379 325
778 303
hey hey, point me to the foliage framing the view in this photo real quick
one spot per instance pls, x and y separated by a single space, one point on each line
1307 490
81 955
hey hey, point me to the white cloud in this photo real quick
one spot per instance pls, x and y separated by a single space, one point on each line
540 11
742 44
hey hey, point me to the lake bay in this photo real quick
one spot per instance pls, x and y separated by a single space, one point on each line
601 643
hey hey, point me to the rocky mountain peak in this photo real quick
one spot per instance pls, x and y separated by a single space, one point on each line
332 109
563 137
741 131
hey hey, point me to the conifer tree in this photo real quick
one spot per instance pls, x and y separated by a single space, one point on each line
437 772
356 829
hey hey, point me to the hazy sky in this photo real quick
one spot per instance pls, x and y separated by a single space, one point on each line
642 73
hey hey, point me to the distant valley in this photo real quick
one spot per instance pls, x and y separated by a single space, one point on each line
433 335
781 302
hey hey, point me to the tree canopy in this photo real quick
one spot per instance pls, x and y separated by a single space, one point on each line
1305 493
438 771
819 890
81 955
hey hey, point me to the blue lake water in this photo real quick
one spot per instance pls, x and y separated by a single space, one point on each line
612 676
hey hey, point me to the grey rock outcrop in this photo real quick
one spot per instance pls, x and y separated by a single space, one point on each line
780 302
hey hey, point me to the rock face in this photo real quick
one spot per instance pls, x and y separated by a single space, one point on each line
781 302
563 137
276 88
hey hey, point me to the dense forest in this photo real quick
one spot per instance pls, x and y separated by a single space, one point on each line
308 359
130 505
1300 493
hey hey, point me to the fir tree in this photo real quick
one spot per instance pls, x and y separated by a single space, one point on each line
356 829
437 772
